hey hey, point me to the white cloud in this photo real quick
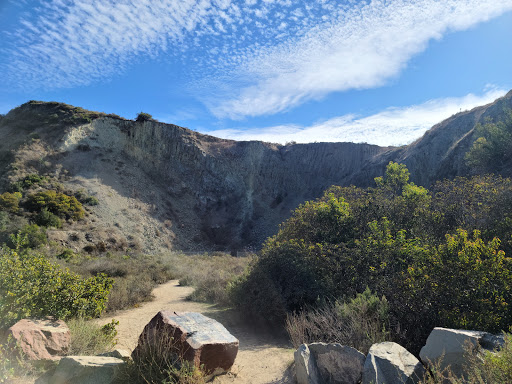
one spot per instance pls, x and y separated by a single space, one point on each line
357 48
239 57
393 126
72 43
62 44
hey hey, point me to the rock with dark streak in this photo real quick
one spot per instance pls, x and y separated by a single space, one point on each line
192 336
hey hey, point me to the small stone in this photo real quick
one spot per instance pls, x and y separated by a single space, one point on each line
122 354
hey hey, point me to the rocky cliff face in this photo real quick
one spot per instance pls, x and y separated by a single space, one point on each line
172 187
227 194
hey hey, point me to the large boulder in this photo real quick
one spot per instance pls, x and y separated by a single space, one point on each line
45 339
447 347
338 364
305 366
389 362
86 370
196 338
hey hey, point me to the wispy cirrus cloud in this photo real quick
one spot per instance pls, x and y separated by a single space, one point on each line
391 127
67 43
239 57
358 46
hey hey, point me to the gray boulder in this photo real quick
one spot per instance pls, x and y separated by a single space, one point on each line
305 366
86 370
389 363
448 347
338 364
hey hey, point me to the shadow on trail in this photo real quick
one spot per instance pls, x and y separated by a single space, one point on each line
252 335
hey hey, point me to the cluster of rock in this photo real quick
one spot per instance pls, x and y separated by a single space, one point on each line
195 338
388 362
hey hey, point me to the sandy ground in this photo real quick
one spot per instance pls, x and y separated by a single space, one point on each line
263 357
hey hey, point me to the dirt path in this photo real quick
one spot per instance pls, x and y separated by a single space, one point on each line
262 357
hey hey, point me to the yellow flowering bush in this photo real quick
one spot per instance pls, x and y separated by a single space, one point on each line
31 286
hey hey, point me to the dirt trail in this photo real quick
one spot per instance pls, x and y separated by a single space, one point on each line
262 357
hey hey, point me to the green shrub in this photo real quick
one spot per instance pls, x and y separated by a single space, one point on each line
392 239
288 276
88 338
7 364
496 367
490 150
27 182
58 203
328 220
86 199
47 219
466 282
30 236
4 220
31 286
10 201
66 255
91 200
142 116
14 366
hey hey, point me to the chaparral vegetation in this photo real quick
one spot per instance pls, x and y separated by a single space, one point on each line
438 256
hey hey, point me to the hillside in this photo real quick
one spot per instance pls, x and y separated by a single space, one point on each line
161 186
439 153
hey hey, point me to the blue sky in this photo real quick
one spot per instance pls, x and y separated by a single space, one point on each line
379 71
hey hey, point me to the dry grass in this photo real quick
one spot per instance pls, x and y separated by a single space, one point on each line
359 323
88 338
159 360
136 276
210 275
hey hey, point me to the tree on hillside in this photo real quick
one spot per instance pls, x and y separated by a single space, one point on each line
143 116
492 148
